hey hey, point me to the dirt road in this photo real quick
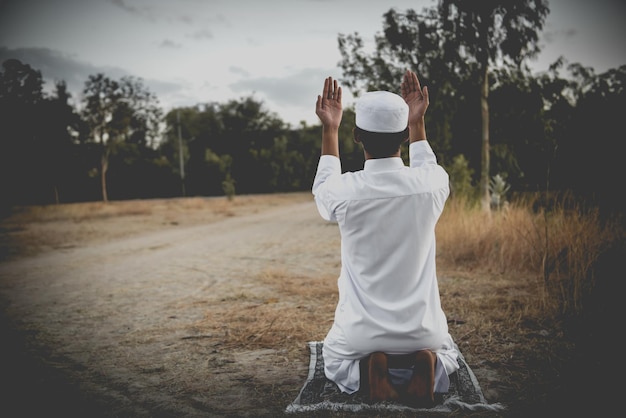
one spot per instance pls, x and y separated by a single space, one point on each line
110 327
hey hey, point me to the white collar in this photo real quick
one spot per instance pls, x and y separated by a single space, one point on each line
383 164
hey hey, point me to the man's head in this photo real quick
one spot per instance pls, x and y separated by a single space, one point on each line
381 123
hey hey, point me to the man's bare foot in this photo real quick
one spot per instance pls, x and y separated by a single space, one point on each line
421 387
380 387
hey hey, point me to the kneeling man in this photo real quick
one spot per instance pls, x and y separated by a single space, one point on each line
390 335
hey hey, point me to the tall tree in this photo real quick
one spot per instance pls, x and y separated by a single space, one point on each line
490 33
61 128
101 97
21 96
450 46
119 111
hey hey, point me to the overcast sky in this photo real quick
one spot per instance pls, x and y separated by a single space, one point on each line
279 51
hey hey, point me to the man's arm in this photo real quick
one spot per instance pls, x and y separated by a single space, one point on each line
329 110
417 99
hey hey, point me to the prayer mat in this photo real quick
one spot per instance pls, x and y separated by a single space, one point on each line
319 393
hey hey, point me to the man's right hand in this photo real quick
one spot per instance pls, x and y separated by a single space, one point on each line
328 107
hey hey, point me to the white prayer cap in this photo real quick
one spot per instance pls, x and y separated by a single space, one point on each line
381 111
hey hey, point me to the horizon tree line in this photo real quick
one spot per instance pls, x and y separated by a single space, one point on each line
489 117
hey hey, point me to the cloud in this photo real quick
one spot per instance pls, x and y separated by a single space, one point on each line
291 93
299 89
201 34
555 36
186 19
122 5
143 12
169 44
291 96
238 71
153 12
57 66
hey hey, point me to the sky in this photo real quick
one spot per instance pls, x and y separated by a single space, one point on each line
190 52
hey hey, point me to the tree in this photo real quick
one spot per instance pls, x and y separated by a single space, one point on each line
21 96
522 145
101 98
119 111
456 44
61 128
205 165
143 115
490 33
240 145
589 157
248 130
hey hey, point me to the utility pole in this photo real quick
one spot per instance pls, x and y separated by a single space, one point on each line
180 154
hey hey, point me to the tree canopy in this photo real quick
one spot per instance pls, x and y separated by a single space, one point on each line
455 44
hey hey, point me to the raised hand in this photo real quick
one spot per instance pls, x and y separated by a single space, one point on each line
328 106
414 96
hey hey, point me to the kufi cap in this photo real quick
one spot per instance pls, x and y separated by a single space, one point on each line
381 111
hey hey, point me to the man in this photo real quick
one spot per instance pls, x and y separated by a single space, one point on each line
389 331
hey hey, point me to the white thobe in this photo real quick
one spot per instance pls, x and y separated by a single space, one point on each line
388 291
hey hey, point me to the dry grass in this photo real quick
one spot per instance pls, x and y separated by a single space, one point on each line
29 230
556 247
289 311
506 281
78 212
500 242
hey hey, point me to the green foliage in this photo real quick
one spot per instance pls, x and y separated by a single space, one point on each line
452 47
228 185
240 142
119 111
20 96
489 31
21 84
37 138
461 179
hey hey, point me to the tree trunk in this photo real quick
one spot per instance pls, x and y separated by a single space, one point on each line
484 169
104 165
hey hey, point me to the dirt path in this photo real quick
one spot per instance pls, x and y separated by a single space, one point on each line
202 307
113 324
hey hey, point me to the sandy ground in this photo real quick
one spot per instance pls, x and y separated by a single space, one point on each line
128 309
111 316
